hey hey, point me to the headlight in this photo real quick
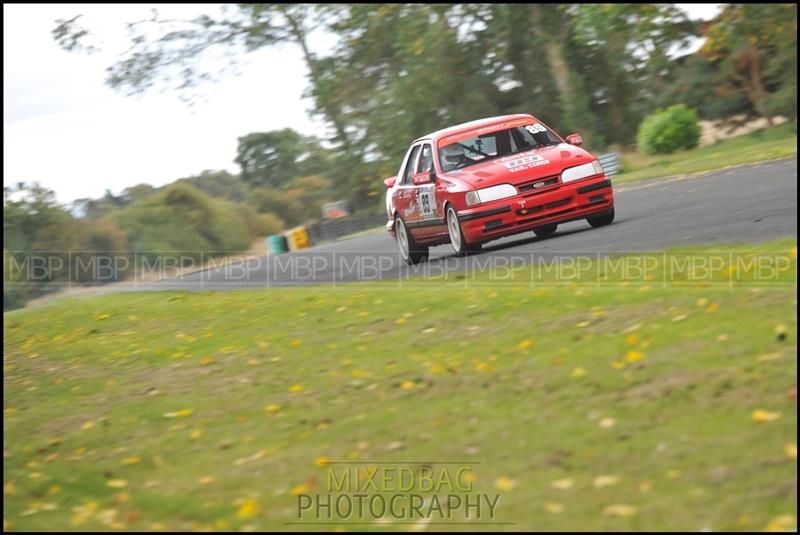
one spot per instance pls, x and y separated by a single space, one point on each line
490 194
582 171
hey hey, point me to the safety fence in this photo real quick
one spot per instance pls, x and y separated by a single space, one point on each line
323 231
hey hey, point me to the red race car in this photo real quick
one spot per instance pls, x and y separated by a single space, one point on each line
491 178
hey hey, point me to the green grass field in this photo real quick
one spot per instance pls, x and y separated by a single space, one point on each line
619 405
768 144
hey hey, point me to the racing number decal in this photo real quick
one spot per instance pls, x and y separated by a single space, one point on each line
535 128
427 202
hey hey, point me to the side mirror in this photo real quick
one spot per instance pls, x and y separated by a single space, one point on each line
575 139
389 182
424 177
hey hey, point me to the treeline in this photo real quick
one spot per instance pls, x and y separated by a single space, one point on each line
401 70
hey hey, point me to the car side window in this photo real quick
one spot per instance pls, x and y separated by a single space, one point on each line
410 165
426 159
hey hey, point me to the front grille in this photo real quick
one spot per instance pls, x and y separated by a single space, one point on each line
556 204
546 216
537 185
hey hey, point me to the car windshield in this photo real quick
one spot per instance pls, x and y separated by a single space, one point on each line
470 151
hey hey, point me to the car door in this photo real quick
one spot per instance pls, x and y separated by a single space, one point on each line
428 197
404 202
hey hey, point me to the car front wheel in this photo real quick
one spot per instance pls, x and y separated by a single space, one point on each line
457 240
545 231
410 251
602 219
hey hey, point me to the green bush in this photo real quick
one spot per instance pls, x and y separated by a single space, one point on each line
666 131
183 219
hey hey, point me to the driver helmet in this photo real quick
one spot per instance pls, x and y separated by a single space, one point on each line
454 153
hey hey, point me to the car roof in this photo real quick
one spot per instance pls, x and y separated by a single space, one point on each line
471 125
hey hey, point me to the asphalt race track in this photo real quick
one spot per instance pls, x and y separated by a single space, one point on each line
749 203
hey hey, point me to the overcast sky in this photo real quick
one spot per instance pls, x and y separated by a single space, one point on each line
64 128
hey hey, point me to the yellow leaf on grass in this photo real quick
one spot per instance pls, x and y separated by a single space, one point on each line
782 523
272 408
632 339
552 507
249 509
761 415
619 510
206 480
296 388
525 344
295 342
505 483
88 425
179 414
791 450
407 385
618 365
438 368
605 481
607 423
117 483
578 372
299 489
131 460
195 434
562 484
52 491
634 356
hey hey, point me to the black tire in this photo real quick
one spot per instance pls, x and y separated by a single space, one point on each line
457 239
602 219
410 251
546 230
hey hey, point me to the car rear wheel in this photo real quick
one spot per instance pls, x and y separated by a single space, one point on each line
545 230
602 219
457 240
410 251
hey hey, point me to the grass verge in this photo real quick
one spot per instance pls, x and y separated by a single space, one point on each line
767 144
619 406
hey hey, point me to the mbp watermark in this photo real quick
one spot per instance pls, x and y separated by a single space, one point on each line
410 492
212 270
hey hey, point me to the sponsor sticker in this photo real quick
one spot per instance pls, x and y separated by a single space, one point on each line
521 162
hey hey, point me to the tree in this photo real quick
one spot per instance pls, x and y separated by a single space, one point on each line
270 158
27 209
629 65
745 40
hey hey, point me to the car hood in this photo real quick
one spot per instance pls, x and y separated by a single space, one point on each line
523 166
